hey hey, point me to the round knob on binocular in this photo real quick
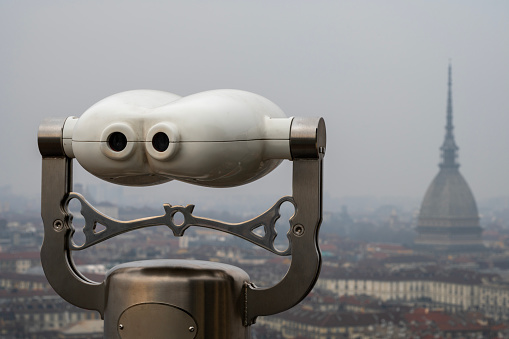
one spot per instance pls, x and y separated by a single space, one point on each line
217 138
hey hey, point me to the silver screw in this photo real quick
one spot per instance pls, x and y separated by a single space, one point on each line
58 225
298 230
191 328
120 327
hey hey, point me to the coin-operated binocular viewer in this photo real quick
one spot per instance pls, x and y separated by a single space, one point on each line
219 138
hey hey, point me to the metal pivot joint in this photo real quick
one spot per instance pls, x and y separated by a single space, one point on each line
307 146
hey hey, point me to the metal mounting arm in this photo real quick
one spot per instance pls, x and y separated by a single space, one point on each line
56 257
307 144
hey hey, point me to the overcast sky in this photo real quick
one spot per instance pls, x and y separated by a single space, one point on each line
375 70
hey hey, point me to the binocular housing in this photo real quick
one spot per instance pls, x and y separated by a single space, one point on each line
219 138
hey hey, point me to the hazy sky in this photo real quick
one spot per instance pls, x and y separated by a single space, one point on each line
375 70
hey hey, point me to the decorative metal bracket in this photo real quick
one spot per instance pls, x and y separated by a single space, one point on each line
114 227
307 144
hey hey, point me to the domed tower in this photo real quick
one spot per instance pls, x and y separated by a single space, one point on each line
448 219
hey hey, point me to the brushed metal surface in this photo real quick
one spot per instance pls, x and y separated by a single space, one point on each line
49 137
307 138
211 292
156 321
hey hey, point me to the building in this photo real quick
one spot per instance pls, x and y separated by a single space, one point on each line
454 290
17 281
437 323
448 220
85 329
36 315
18 262
301 323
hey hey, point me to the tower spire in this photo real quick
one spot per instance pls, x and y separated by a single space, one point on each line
449 148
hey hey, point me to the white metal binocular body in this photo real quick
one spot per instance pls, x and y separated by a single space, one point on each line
217 138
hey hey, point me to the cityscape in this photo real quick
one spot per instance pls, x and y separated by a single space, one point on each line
373 284
414 232
438 270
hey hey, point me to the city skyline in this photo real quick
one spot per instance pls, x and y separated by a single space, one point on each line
376 73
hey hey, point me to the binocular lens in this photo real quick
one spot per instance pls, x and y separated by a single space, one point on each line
160 141
117 141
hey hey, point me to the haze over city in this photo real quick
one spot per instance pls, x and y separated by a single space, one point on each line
395 250
376 71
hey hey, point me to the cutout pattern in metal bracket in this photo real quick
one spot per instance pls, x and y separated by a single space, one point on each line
113 227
